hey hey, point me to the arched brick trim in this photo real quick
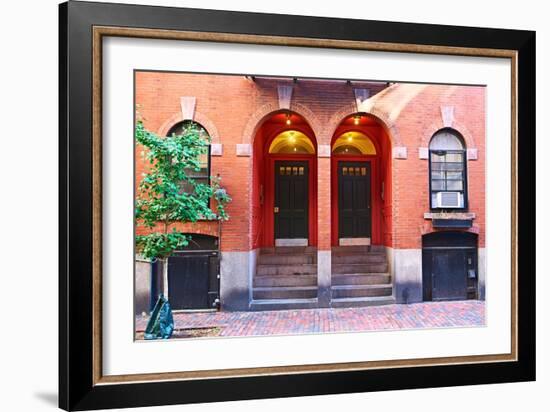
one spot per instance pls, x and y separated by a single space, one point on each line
381 116
199 117
255 121
435 126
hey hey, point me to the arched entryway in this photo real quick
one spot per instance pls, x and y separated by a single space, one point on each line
361 182
284 184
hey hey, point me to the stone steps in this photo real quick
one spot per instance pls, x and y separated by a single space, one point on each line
283 304
283 292
282 280
362 302
344 268
360 291
361 279
285 269
285 250
287 259
347 257
359 249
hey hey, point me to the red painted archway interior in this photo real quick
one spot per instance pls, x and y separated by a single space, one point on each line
381 182
263 180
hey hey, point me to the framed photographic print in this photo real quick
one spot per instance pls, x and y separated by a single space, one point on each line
258 205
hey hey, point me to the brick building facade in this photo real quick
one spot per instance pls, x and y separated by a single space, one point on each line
344 193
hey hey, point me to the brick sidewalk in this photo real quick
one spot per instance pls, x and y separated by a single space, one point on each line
418 315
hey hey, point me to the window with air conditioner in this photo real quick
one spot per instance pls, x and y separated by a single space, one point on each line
448 185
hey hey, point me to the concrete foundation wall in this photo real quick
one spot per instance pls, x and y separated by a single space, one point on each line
324 277
407 275
236 280
482 271
142 296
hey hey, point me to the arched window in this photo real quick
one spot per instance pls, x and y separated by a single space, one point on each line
202 175
448 183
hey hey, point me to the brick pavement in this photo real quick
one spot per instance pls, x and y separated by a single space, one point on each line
418 315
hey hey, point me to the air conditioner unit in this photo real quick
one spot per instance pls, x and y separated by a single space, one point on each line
448 200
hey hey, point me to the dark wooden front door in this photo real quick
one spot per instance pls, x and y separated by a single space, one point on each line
291 200
193 281
354 212
449 266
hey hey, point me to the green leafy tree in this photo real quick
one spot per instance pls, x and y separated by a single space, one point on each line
164 200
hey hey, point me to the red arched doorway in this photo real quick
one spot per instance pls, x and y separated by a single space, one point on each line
361 182
284 183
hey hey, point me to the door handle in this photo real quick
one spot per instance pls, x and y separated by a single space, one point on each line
276 209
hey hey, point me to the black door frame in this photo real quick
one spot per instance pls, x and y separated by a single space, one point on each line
276 211
368 180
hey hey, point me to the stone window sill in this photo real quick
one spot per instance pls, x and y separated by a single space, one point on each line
450 215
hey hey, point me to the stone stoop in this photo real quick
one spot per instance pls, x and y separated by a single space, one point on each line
360 277
286 278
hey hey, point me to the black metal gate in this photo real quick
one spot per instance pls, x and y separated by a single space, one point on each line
193 275
449 266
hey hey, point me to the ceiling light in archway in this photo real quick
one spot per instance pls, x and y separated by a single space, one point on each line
356 120
354 143
288 121
291 141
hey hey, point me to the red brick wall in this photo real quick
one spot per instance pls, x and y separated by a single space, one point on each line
236 108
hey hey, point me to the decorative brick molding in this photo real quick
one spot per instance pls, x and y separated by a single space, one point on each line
369 109
437 125
216 149
471 154
198 117
323 150
285 96
244 149
399 152
423 153
255 121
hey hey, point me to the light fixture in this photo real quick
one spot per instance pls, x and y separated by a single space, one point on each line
288 122
349 137
294 149
292 138
356 120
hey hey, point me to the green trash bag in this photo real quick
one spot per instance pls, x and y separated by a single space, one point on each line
161 323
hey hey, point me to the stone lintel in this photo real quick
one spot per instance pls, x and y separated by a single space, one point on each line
188 104
448 115
285 96
361 97
450 215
